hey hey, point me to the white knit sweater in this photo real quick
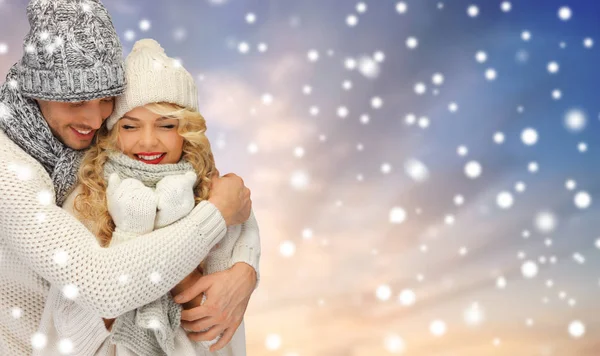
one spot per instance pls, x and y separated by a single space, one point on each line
86 333
41 243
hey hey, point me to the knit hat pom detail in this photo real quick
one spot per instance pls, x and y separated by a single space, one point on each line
149 44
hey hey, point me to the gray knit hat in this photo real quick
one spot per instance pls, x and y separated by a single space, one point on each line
71 53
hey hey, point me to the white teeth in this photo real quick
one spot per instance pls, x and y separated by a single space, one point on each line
83 132
150 158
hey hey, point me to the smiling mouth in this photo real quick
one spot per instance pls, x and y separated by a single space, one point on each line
150 159
84 133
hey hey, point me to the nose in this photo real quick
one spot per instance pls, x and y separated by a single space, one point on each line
94 116
148 140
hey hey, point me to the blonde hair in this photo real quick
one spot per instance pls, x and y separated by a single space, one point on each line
91 204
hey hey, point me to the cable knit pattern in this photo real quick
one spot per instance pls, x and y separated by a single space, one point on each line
71 52
36 237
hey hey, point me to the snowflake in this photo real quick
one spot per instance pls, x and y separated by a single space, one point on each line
287 249
273 342
250 18
351 20
144 25
473 11
412 42
243 47
565 13
407 297
39 341
437 328
394 344
397 215
313 55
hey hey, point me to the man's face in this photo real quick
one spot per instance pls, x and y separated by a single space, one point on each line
75 124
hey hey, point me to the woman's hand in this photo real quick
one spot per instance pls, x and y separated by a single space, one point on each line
131 205
228 293
175 198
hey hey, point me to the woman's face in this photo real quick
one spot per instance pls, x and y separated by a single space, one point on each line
149 137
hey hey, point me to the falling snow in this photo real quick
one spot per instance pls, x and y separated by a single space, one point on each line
382 146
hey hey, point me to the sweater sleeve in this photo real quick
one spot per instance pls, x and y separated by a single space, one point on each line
108 281
247 247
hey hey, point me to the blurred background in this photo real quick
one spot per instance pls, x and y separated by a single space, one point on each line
425 173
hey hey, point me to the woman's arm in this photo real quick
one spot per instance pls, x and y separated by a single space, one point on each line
241 244
108 281
247 248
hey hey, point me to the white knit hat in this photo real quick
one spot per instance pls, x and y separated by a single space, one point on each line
152 77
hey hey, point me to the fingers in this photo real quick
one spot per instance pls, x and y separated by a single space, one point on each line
200 286
206 335
224 340
199 325
236 177
196 313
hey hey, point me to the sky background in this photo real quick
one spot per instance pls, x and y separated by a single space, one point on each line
425 173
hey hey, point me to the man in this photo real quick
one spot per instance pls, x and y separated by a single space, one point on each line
53 101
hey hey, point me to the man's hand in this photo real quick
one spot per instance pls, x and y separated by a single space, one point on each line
228 293
231 197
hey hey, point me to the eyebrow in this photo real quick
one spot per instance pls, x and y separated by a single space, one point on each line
136 119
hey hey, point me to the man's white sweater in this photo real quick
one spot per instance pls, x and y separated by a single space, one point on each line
41 243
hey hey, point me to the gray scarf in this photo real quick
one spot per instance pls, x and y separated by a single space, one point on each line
149 174
148 330
26 126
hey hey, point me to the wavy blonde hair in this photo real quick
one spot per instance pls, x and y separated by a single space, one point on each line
91 205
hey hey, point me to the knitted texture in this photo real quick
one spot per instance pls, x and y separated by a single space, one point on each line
132 206
152 328
149 174
147 331
62 317
71 53
41 242
175 198
23 122
152 77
